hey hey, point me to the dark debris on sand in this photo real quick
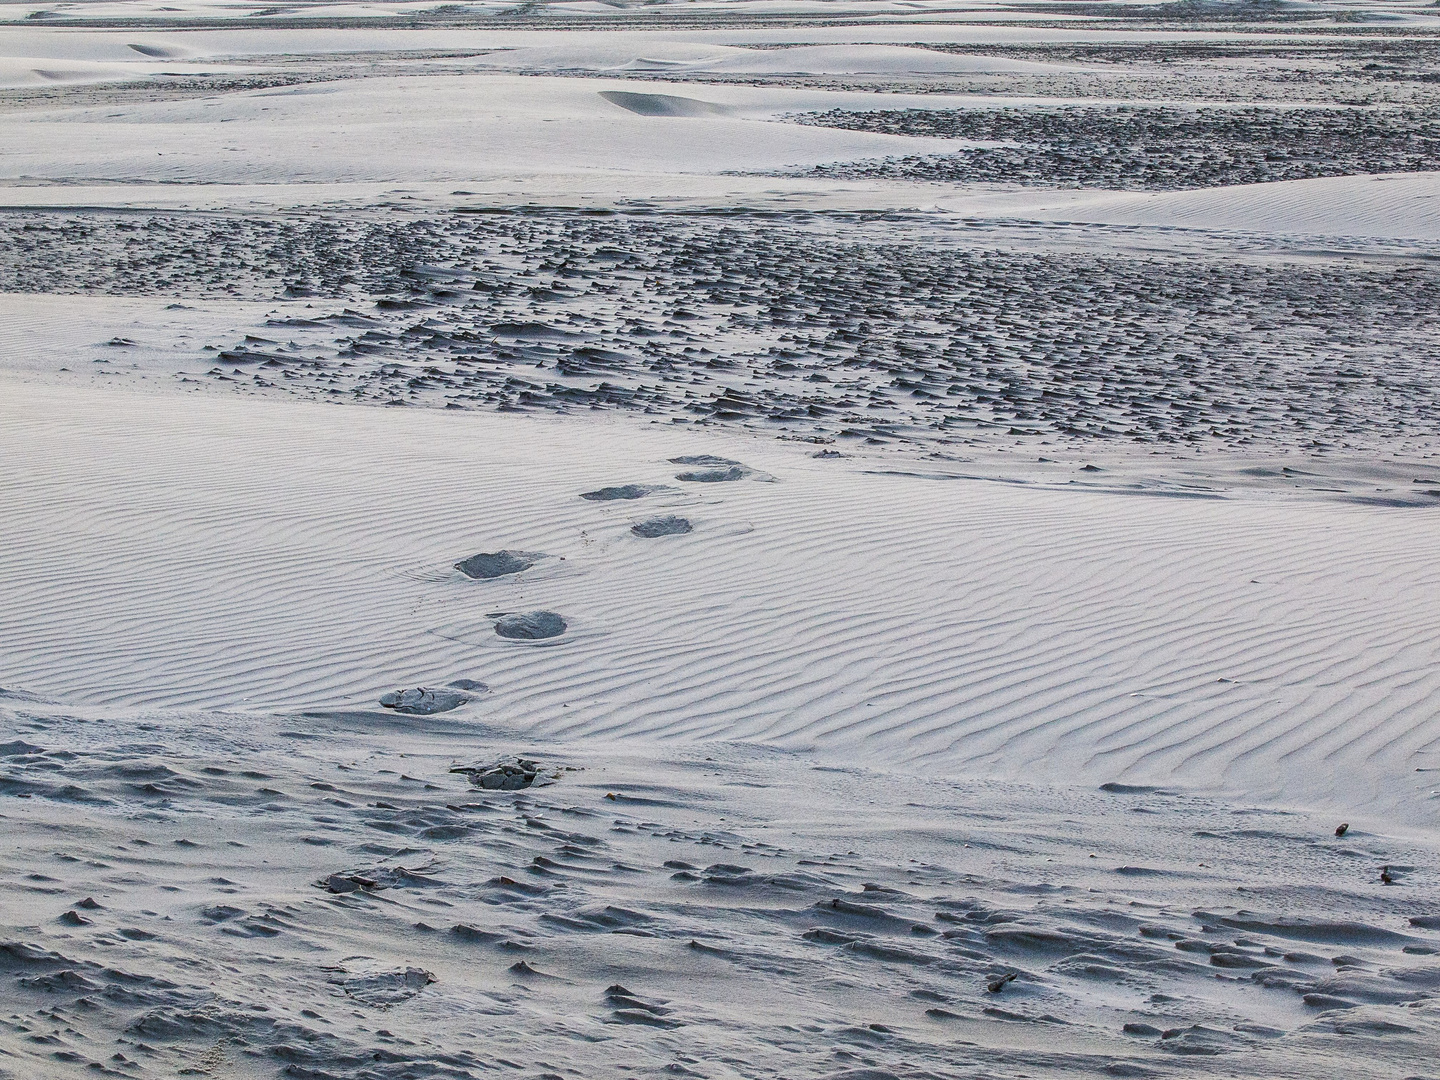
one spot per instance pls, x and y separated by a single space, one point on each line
797 324
1148 148
724 474
621 492
381 877
635 916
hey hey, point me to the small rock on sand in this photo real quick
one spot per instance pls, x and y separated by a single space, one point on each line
381 877
530 625
999 982
661 526
493 564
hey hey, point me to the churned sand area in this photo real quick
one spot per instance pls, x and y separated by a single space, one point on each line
855 540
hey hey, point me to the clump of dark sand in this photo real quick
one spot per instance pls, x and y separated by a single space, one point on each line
702 459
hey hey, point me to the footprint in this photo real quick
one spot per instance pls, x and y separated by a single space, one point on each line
714 476
495 564
467 684
423 700
624 491
530 625
372 985
662 526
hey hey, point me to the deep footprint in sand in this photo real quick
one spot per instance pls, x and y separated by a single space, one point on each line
624 491
530 625
669 525
493 564
375 986
424 700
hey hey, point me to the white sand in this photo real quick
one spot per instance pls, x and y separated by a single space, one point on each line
1015 749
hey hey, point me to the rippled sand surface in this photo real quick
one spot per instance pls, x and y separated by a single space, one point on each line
868 540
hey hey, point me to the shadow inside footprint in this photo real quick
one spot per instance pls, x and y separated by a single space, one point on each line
530 625
624 491
493 564
383 988
669 525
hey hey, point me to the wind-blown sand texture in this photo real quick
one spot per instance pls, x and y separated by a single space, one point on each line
739 539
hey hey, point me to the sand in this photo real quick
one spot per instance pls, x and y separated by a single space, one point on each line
752 539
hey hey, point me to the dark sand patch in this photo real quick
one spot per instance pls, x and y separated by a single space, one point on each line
662 104
493 564
623 491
